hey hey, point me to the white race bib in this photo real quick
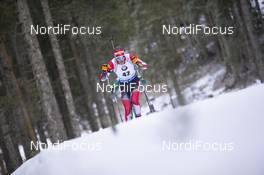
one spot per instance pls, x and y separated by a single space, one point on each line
125 71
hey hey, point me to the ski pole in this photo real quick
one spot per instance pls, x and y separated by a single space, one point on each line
115 101
119 110
150 105
112 42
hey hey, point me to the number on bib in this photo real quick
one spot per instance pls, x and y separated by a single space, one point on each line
126 73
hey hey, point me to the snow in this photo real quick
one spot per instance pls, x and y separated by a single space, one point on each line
160 103
22 152
152 144
204 87
261 6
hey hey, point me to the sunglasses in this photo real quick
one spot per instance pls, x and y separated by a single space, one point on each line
120 58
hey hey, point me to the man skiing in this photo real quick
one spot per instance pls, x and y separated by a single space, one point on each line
123 65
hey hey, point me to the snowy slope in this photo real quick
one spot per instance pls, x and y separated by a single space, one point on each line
229 128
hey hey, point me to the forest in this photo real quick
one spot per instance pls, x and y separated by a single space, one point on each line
48 82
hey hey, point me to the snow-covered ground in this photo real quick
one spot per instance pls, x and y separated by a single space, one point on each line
220 136
200 89
204 87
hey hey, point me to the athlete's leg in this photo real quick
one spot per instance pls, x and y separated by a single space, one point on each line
126 104
135 101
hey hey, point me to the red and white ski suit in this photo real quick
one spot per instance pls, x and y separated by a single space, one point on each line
127 75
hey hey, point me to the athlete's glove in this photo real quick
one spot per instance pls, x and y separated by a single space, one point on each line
134 59
104 67
143 81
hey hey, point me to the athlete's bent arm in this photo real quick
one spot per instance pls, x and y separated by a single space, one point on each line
139 62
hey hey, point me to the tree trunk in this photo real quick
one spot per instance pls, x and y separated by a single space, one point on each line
9 148
229 55
84 79
41 132
97 97
247 65
74 119
104 119
49 104
25 122
111 111
170 92
258 57
180 97
2 165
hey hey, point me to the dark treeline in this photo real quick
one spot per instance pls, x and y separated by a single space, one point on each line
48 82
